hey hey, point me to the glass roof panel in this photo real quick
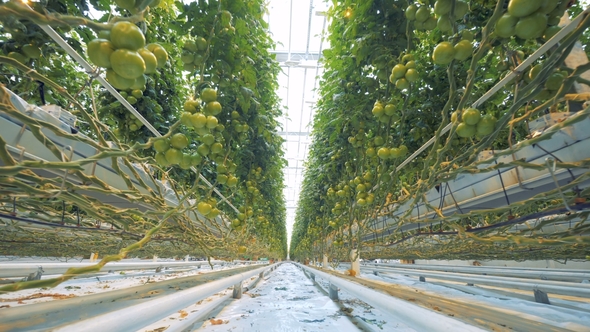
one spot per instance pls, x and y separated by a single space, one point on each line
297 28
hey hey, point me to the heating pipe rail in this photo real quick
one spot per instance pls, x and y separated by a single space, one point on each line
570 275
547 286
9 269
134 318
420 318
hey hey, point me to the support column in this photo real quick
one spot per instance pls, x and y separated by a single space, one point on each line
325 263
355 263
333 292
237 294
541 297
187 258
155 258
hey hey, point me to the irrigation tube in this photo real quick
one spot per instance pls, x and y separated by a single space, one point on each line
408 313
550 287
135 317
94 73
557 275
10 269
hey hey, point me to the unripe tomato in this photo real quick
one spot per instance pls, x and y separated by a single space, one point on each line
443 53
532 26
506 25
522 8
174 156
422 14
463 50
118 81
471 116
208 95
127 35
465 130
128 64
398 71
411 12
151 63
412 75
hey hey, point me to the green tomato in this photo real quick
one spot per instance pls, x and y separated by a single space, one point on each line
411 12
443 53
506 25
522 8
465 130
531 27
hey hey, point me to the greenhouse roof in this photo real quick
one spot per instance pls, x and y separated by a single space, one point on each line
297 30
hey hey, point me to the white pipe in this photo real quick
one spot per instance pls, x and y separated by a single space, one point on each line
93 72
135 317
203 310
187 324
23 269
551 287
550 274
410 314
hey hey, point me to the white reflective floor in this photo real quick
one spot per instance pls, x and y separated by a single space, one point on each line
285 301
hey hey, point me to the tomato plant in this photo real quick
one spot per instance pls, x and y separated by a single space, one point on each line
401 85
228 130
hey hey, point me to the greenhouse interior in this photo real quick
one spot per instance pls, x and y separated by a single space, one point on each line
289 165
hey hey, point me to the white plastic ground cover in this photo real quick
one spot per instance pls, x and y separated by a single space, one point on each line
285 301
560 317
100 283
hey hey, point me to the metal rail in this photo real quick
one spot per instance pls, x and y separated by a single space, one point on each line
546 286
15 269
53 314
408 313
529 273
137 316
188 323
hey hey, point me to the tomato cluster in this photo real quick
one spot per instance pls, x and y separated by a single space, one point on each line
425 19
445 52
25 53
404 73
192 53
244 212
531 19
473 123
208 207
122 51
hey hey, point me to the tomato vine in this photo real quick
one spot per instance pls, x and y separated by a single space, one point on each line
401 72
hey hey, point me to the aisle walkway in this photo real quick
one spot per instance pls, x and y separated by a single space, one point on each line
285 301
